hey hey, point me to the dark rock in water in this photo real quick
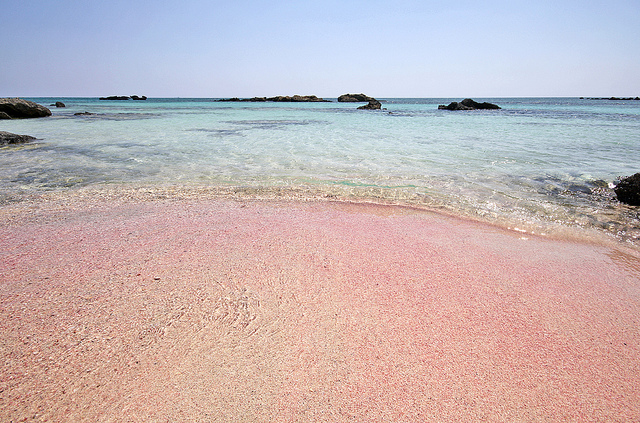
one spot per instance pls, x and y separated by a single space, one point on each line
116 97
17 108
354 98
628 190
454 105
468 104
372 105
135 97
481 106
59 104
9 138
83 114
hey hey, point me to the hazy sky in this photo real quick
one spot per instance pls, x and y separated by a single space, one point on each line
401 48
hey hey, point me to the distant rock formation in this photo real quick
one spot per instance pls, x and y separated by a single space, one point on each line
9 138
58 104
372 105
354 98
612 98
297 98
628 190
123 97
17 108
281 98
468 104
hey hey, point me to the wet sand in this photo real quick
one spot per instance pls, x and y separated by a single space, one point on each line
226 310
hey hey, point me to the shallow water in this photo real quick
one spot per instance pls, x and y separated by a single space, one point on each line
538 164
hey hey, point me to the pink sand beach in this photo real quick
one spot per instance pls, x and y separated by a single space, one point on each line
231 310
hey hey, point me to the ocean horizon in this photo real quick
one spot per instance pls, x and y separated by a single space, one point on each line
542 165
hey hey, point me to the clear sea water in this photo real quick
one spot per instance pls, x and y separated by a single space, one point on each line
538 164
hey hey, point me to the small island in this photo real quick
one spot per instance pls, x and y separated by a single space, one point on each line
612 98
124 97
280 98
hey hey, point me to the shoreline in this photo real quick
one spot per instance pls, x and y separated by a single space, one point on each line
378 196
158 306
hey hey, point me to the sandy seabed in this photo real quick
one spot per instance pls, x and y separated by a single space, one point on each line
228 310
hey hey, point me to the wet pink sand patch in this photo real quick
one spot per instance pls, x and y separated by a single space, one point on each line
222 310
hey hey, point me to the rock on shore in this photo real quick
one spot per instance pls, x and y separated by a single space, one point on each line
354 98
468 104
628 190
17 108
9 138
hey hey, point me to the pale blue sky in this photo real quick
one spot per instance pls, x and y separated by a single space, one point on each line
205 48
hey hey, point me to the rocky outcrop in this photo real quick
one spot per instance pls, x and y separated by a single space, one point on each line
135 97
372 105
468 104
281 98
58 104
628 190
354 98
9 138
17 108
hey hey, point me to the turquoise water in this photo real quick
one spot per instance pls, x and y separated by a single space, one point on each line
541 164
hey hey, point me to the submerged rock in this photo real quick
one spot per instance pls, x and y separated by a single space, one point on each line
628 190
354 98
17 108
58 104
468 104
372 105
83 114
9 138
